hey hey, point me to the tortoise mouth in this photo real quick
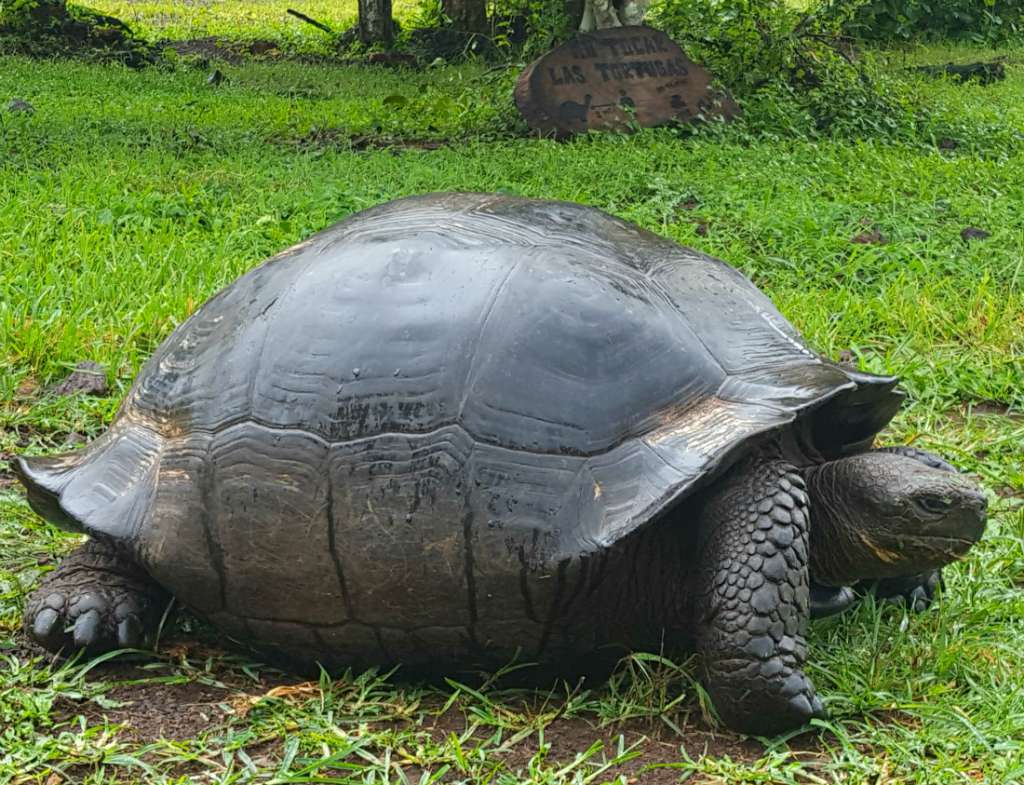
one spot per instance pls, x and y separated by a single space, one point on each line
951 548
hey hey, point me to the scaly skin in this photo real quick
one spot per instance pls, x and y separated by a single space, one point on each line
96 600
925 457
753 609
918 591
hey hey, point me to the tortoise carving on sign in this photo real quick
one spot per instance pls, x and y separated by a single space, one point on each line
460 428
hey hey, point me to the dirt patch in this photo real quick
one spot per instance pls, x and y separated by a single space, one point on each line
984 409
996 409
153 711
654 750
226 50
213 48
1009 492
87 378
149 712
655 747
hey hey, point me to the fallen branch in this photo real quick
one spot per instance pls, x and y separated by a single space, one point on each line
985 73
311 21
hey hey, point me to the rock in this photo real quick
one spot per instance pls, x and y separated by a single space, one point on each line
872 237
88 378
18 106
973 233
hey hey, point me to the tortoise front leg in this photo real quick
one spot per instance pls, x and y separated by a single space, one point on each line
96 600
753 604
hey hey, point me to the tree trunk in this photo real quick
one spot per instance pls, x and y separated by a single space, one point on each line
375 22
468 15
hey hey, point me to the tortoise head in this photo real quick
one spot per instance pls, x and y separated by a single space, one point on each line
883 515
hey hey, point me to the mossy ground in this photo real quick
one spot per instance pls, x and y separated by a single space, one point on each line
127 198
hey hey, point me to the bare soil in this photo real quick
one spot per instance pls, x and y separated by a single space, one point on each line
178 711
149 712
213 48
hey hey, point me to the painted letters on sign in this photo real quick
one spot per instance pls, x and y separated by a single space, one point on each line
612 78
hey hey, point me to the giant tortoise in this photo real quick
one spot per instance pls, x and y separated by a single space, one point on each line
458 429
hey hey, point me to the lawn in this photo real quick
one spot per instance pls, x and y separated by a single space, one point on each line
244 19
128 198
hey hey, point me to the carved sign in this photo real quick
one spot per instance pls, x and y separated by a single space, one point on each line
614 78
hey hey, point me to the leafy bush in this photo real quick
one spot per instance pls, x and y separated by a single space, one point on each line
528 28
981 20
50 28
547 23
793 71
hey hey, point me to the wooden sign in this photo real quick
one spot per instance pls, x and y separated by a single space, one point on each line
611 79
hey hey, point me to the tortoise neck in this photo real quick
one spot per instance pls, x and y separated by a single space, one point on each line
836 553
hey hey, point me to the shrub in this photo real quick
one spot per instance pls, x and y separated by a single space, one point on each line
980 20
792 70
51 28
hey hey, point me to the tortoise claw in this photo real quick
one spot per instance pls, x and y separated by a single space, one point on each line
818 708
46 622
129 632
915 592
86 631
800 706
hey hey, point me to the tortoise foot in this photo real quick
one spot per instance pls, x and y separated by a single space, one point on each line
829 600
916 592
764 698
95 602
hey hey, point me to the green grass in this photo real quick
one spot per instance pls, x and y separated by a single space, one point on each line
243 19
130 197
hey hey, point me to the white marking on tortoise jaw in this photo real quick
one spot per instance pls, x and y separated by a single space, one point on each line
889 557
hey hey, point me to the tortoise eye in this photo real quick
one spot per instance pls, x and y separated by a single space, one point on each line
935 505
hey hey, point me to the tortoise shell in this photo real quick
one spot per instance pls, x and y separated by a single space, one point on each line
412 418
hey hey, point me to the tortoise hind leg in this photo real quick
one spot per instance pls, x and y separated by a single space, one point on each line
96 600
752 609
